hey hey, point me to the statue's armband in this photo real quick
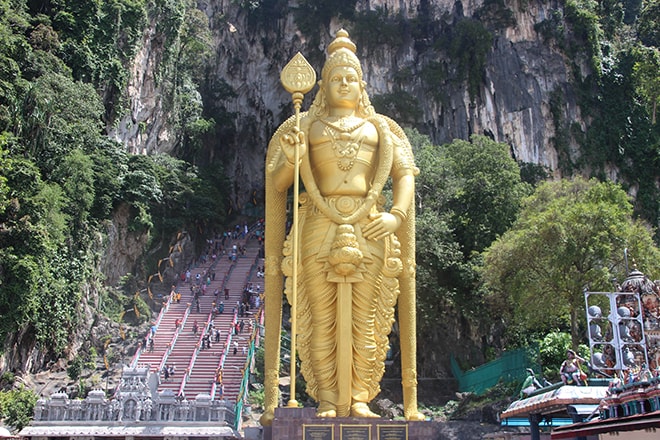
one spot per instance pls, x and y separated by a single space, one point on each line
403 162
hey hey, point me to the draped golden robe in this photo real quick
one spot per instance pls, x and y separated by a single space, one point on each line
330 241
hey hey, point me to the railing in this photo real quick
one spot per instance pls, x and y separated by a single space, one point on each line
225 352
242 396
92 411
511 366
175 336
193 358
163 310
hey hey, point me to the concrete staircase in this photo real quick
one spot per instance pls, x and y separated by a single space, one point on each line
196 368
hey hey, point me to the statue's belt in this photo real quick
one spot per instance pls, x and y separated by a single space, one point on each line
344 205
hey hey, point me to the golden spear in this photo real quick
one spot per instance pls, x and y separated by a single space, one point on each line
298 77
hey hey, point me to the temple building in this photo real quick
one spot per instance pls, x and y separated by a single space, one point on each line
137 410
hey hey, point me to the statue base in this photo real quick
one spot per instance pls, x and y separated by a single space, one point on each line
302 424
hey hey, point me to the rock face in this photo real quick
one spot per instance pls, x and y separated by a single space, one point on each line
410 57
423 67
123 249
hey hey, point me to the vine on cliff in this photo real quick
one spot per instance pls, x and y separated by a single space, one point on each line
371 28
613 37
62 178
469 44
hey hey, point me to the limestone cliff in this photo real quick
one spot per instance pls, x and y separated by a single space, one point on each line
448 68
410 64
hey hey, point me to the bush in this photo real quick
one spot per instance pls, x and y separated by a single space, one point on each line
7 379
17 407
256 398
553 352
74 370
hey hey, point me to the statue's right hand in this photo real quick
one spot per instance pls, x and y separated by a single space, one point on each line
291 141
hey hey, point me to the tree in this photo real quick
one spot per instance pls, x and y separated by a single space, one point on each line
76 176
60 115
571 235
17 407
647 73
649 24
469 46
5 164
487 191
468 193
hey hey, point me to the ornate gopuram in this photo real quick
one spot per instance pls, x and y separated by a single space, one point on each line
136 410
622 398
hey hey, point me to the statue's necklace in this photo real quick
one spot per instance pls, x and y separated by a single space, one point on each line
345 145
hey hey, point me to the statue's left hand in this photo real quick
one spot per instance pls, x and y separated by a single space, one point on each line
381 225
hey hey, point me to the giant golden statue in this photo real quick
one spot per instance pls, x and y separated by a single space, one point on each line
356 256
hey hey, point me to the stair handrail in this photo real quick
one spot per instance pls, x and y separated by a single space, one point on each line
193 358
163 310
230 269
225 352
242 392
250 354
175 336
240 397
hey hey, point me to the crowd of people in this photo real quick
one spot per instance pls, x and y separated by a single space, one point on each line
200 281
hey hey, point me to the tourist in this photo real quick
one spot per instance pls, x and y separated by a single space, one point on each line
570 369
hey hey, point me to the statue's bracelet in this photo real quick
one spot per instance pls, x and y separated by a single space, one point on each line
397 212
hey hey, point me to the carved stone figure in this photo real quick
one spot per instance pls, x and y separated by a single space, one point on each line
356 255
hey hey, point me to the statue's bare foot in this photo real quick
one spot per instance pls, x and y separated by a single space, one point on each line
415 416
267 418
326 410
360 409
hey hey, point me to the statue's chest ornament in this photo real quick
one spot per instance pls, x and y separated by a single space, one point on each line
345 143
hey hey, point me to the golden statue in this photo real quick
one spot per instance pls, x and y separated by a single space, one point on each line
356 258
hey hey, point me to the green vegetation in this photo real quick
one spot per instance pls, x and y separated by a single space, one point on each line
618 93
570 235
434 74
468 193
552 350
311 15
647 79
499 251
586 34
64 75
399 105
496 14
500 392
469 44
17 407
256 397
496 251
561 140
371 28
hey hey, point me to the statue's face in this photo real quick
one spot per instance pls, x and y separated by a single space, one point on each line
343 87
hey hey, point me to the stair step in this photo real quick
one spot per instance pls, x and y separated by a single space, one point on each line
202 376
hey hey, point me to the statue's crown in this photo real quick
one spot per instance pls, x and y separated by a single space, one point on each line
341 41
341 52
